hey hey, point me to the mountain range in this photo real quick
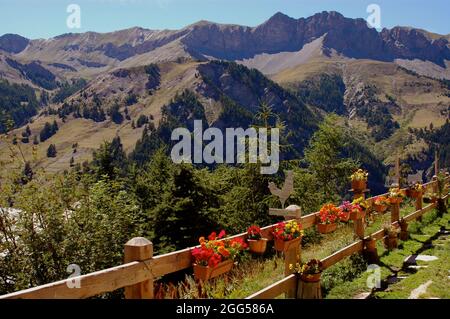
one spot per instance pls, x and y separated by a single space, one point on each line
100 85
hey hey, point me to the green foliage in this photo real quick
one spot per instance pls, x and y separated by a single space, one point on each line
66 89
241 93
48 131
325 177
345 271
35 73
325 91
95 113
18 104
114 113
131 99
154 77
110 159
62 221
51 150
180 112
377 113
437 139
142 120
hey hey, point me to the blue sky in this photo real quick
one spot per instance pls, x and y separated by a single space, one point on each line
47 18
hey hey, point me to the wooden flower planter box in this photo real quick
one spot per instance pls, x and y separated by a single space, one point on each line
380 208
205 273
359 185
311 278
283 246
326 228
412 193
346 218
354 215
397 200
257 246
309 287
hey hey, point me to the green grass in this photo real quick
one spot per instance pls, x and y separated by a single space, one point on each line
437 271
392 262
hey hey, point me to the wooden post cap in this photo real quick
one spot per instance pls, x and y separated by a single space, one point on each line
294 210
138 249
138 241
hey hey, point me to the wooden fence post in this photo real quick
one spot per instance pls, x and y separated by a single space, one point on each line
359 228
370 250
395 212
309 290
291 257
419 203
447 182
435 185
359 223
403 230
139 249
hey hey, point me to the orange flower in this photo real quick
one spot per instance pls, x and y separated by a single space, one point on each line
201 240
223 251
220 244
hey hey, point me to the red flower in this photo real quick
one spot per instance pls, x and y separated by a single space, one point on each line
238 243
212 236
329 214
254 232
221 234
214 260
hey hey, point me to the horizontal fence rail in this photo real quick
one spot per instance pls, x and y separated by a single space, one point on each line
136 272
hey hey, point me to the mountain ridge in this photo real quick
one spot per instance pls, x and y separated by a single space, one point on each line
209 40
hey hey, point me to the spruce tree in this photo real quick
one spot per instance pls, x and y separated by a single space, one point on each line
51 151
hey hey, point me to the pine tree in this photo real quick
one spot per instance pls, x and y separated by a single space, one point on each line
27 173
51 151
110 159
115 114
46 132
55 127
142 120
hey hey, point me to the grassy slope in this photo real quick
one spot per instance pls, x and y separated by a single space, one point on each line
89 135
393 261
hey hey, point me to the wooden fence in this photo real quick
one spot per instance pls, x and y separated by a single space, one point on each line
141 268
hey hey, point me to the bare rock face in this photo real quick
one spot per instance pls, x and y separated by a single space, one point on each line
350 37
207 40
407 43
